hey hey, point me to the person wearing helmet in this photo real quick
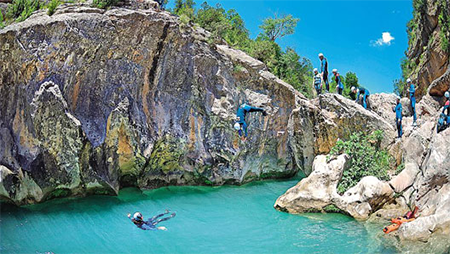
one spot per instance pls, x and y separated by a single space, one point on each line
412 91
337 78
151 223
317 81
241 125
324 70
360 91
447 106
398 117
444 119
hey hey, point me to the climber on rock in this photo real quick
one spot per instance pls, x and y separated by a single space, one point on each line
444 119
317 81
150 224
241 125
324 70
340 85
398 117
412 97
360 91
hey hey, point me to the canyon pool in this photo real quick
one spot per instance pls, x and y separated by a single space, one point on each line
228 219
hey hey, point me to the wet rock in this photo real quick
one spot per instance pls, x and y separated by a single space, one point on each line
316 191
366 197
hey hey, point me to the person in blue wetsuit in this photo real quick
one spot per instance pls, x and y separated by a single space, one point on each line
337 78
398 117
150 224
444 118
317 81
241 125
412 91
324 71
447 106
361 91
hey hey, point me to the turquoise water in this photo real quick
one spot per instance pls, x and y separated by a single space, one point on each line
230 219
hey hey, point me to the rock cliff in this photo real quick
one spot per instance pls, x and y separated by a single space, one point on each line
94 100
428 53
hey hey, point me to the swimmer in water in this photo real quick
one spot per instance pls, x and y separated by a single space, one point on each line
150 224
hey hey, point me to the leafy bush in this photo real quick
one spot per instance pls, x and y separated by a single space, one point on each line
52 6
20 10
103 4
366 159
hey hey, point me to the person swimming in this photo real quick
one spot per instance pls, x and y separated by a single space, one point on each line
151 223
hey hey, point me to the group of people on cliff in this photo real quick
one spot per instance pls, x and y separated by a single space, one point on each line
359 94
444 118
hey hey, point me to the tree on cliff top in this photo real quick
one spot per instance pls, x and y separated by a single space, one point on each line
278 27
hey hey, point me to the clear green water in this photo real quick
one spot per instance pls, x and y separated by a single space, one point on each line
231 219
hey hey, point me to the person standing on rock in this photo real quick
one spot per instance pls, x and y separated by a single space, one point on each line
241 125
324 70
444 119
398 117
412 91
317 81
360 91
340 85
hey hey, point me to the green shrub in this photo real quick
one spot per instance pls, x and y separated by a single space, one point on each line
20 10
52 6
366 159
103 4
2 25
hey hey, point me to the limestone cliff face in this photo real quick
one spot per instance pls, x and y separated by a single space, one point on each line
428 51
94 100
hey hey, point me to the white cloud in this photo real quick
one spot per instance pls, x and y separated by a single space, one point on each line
385 39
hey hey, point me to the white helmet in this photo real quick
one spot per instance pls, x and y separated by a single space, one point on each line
237 126
398 97
334 71
137 216
353 89
447 94
316 70
408 80
320 54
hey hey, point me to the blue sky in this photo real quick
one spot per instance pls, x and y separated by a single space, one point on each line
349 33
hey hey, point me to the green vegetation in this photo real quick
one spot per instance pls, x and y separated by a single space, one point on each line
444 23
52 6
332 209
2 25
20 10
103 4
278 27
400 86
228 25
366 159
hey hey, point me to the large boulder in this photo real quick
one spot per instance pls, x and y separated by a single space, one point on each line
383 104
319 190
316 191
365 198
